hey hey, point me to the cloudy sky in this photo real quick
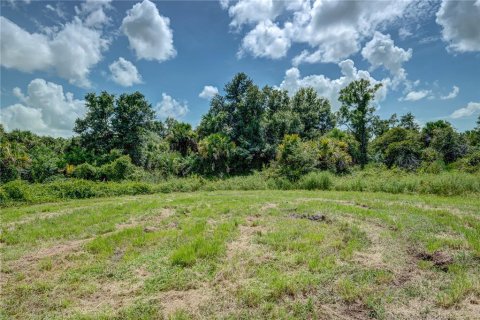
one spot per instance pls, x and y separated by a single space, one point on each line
181 53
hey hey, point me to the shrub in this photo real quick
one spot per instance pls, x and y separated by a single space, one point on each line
430 155
403 154
120 169
3 196
470 163
332 154
280 183
8 172
17 190
140 188
433 167
73 189
44 163
294 158
85 171
399 147
316 181
216 153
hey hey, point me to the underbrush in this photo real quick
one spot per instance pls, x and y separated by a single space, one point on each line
371 180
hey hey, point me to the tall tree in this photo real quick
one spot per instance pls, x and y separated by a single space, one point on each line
279 119
238 115
314 112
95 129
407 121
380 126
133 116
357 113
432 127
441 136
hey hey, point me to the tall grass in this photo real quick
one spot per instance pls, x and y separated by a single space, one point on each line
446 183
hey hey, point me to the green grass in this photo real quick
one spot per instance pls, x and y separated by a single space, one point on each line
243 255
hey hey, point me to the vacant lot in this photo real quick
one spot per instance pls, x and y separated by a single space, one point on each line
237 254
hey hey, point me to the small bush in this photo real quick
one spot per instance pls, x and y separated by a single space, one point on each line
316 181
433 167
3 196
294 158
141 188
280 183
17 190
120 169
74 189
470 163
85 171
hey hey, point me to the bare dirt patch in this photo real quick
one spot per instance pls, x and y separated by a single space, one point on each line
56 250
189 300
439 259
244 242
373 256
109 294
422 309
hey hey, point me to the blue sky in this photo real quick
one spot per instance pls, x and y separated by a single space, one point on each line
427 54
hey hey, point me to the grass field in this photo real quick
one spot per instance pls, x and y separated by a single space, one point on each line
243 254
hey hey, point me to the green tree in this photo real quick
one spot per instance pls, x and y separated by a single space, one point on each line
357 113
95 129
314 113
441 136
407 121
278 120
14 160
217 153
294 158
353 145
399 147
133 117
430 128
181 137
44 163
380 126
331 154
75 153
239 115
473 136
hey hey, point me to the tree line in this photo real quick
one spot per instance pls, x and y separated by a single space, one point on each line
247 128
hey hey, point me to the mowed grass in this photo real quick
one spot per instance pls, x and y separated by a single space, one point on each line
243 255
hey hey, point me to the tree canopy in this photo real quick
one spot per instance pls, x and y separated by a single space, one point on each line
246 128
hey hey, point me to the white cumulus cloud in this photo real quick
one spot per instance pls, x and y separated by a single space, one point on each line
460 24
169 107
93 12
329 88
266 40
452 94
252 11
470 109
45 109
416 95
381 51
148 32
333 29
124 73
208 92
71 52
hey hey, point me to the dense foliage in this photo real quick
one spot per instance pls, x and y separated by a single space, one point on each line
246 129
